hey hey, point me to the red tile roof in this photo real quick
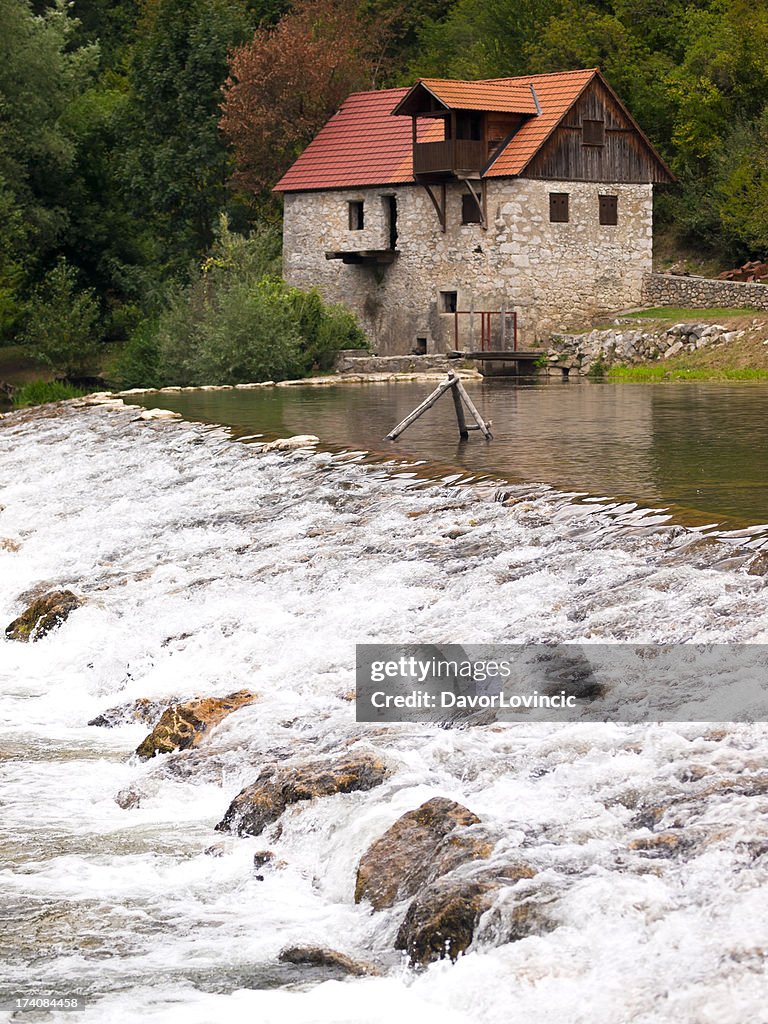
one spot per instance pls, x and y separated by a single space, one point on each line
505 95
365 144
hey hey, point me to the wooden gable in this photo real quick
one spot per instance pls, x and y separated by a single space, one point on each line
598 140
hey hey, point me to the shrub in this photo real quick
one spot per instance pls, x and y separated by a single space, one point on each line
138 365
238 321
323 329
63 326
39 392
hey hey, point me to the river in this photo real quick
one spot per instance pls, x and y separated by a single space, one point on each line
210 566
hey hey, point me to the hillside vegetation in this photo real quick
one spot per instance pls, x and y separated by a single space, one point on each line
130 131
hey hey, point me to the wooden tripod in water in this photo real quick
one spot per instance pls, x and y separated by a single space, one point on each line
460 399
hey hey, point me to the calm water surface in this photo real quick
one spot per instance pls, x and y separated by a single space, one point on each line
700 448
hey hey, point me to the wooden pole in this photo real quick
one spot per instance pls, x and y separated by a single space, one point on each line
481 424
460 419
428 402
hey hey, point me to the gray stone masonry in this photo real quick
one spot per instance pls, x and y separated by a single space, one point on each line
641 344
702 292
554 276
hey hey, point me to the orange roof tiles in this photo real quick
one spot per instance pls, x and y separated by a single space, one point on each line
505 95
365 144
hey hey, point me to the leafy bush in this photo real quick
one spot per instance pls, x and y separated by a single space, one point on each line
245 332
139 363
38 392
323 329
63 326
236 322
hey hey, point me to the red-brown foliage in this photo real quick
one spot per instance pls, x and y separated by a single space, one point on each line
285 84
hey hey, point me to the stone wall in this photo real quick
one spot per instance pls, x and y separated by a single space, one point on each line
702 292
358 361
623 345
554 276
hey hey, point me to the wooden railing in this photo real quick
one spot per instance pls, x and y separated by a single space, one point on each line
449 156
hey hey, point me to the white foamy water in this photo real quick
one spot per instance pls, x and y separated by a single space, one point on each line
210 567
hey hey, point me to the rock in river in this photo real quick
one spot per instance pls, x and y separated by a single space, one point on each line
423 844
278 786
441 920
319 956
141 710
183 725
44 614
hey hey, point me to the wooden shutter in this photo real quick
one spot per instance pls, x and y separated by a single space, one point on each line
592 132
558 207
609 209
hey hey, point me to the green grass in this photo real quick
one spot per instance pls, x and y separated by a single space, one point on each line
680 314
655 374
39 392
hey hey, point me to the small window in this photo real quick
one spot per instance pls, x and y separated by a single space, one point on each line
592 133
609 209
356 215
448 302
421 347
558 207
470 211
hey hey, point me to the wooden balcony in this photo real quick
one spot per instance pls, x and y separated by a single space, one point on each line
450 157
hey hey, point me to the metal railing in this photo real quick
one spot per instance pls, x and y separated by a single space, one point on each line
504 338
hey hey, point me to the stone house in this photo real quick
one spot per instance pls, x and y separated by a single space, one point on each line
468 214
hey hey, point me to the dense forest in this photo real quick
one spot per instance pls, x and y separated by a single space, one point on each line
139 140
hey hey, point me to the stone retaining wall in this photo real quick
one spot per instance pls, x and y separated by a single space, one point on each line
629 345
702 292
358 361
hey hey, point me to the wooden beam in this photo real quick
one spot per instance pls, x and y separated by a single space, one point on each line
481 424
438 205
428 402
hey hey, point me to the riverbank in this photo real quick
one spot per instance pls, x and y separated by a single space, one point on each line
208 567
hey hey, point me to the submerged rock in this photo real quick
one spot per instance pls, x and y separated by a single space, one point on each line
183 725
287 444
319 956
159 414
44 614
440 922
142 710
278 786
422 845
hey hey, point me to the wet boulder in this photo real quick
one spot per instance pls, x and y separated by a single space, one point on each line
184 725
142 710
289 444
278 786
441 921
423 844
44 614
319 956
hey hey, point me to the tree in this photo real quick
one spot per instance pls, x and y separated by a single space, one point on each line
285 84
63 324
41 72
176 163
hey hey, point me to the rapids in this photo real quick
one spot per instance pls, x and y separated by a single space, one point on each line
210 566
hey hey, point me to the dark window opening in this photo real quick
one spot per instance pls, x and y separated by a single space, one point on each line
390 207
609 209
470 211
593 133
448 302
469 125
356 215
558 207
421 347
